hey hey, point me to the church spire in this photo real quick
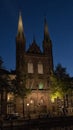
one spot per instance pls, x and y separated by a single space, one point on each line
46 32
20 25
20 48
47 46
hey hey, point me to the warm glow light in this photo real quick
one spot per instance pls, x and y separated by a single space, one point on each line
41 101
27 104
31 101
55 96
52 100
20 24
10 96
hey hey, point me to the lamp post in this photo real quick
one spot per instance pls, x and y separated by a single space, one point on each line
28 115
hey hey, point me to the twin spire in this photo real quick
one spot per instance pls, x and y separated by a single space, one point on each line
21 29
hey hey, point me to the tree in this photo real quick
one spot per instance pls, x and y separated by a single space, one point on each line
5 86
20 88
61 83
1 62
60 72
64 78
56 86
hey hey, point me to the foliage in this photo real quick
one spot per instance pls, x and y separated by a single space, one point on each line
20 88
1 62
5 83
56 85
4 78
61 81
60 72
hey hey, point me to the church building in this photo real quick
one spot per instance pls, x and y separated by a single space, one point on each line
33 71
37 65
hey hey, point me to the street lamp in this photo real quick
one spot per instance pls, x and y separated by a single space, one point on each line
28 110
27 104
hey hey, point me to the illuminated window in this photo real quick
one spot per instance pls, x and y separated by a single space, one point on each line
41 86
30 68
10 97
40 68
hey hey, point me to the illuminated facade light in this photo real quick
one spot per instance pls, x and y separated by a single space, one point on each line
31 101
42 101
27 104
10 97
55 96
52 100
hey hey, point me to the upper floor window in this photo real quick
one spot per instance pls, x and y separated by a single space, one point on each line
30 67
40 68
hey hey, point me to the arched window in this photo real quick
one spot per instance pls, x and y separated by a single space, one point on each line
30 67
40 68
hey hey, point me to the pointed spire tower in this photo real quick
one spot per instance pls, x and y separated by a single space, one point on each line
20 46
20 25
46 32
47 45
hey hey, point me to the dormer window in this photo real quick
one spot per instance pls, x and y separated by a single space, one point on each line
30 67
40 68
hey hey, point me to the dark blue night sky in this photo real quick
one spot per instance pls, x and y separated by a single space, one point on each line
59 15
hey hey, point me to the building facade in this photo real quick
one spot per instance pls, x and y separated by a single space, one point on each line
33 70
37 65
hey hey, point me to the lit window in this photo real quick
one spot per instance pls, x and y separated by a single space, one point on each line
40 68
30 68
10 97
41 86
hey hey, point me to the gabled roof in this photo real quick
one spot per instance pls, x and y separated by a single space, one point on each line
34 48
